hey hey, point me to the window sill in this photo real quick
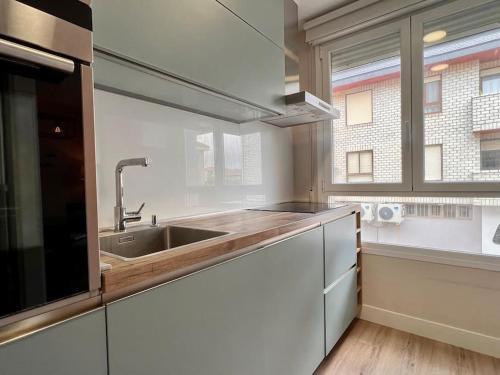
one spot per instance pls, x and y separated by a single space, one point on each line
452 258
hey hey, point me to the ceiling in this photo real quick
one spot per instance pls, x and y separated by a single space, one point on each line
309 9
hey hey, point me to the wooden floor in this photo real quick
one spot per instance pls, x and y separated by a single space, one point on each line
369 348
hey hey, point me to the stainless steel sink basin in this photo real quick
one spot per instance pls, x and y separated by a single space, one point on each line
143 241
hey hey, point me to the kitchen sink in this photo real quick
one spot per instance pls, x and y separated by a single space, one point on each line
138 242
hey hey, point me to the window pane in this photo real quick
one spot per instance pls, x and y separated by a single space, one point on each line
359 108
490 154
433 163
353 163
432 90
491 85
366 88
460 48
365 162
432 94
471 222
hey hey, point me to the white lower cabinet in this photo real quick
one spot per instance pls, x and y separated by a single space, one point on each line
76 346
262 313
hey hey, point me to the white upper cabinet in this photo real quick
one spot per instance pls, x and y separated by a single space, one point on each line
264 15
199 41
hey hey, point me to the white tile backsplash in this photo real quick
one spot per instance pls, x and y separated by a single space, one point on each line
199 164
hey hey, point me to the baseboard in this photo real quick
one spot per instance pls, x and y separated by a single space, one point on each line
463 338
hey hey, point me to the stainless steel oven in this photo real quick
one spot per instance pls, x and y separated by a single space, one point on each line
48 215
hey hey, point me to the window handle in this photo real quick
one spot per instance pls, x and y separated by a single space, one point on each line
408 132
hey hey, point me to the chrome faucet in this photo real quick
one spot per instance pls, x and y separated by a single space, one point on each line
122 217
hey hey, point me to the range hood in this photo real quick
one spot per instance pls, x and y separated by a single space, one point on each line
303 108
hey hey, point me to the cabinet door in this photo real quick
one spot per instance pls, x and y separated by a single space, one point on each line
76 346
261 314
340 307
197 40
267 16
340 247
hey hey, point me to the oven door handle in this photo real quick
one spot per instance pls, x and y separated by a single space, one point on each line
32 55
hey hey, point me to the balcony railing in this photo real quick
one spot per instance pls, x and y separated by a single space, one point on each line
486 113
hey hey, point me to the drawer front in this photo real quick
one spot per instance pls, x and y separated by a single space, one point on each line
340 247
340 308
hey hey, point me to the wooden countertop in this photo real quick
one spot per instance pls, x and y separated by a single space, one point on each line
250 230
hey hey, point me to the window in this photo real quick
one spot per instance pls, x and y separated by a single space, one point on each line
490 154
360 166
433 163
463 56
364 83
490 81
452 158
358 108
432 94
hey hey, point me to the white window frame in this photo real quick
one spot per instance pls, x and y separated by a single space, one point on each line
412 114
325 51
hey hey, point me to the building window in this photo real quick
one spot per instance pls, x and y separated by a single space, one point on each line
490 154
358 108
490 81
360 166
433 162
432 94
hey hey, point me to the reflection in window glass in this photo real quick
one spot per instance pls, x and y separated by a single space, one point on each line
232 159
465 56
401 221
252 159
366 88
200 158
242 159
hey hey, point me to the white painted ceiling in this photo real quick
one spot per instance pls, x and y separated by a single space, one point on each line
309 9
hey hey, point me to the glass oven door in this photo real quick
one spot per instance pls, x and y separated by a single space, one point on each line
43 232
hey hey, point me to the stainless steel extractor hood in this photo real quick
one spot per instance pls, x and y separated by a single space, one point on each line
303 108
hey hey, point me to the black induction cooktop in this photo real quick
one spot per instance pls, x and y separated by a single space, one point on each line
302 207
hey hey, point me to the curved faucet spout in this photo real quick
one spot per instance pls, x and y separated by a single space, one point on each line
141 162
121 216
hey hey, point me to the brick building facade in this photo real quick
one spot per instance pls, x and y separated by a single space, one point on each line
466 117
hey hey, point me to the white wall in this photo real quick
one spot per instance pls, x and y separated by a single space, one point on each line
453 304
199 164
